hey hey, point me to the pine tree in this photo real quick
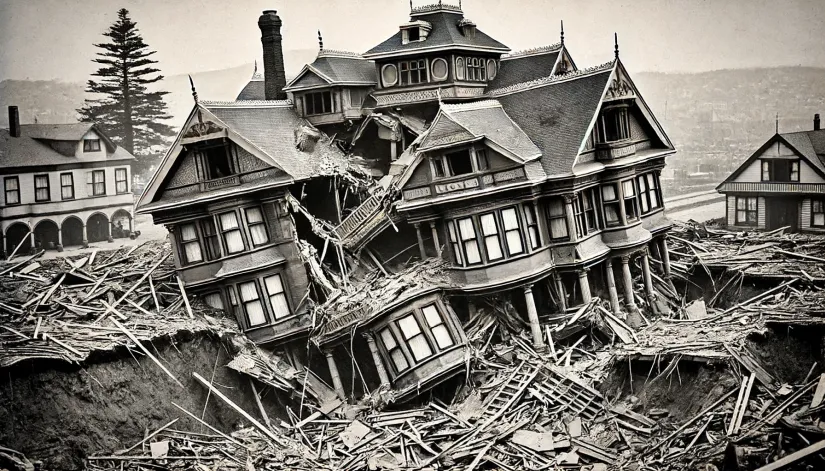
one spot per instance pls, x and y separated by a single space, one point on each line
128 112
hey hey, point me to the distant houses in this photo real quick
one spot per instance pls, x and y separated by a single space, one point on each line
781 185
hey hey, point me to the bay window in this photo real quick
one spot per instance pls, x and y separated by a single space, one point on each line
318 103
512 231
492 242
469 244
557 219
747 210
610 203
532 226
631 208
416 336
584 208
500 232
231 233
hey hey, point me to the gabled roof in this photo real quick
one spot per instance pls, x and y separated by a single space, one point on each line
267 130
808 145
445 34
556 112
32 149
335 68
254 89
484 119
524 66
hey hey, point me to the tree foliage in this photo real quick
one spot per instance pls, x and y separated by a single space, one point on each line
131 114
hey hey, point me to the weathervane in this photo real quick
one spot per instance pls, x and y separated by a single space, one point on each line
320 41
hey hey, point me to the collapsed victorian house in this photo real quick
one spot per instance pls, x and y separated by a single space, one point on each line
377 201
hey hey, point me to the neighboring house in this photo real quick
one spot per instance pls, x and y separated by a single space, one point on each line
781 185
63 185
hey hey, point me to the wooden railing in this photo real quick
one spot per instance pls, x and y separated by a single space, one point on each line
615 150
231 180
360 216
773 187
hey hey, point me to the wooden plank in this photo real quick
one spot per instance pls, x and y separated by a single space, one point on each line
820 392
149 436
145 350
185 298
794 457
210 427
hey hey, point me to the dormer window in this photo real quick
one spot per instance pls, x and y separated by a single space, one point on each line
467 27
91 145
460 162
318 103
216 161
414 34
415 31
613 125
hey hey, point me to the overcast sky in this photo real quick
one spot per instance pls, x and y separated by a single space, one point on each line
52 39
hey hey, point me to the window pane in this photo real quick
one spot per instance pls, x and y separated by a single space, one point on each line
213 300
752 204
558 228
409 326
442 337
465 227
192 252
488 225
228 221
399 360
611 214
254 215
556 207
740 203
508 216
255 312
473 255
420 348
12 184
388 339
609 192
248 291
627 186
274 285
279 306
819 219
431 315
234 242
514 245
66 179
259 235
187 232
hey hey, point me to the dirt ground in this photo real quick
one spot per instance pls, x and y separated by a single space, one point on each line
61 413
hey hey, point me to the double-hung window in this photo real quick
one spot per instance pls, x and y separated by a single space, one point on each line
91 145
210 239
121 185
231 232
98 182
67 186
584 207
631 208
257 226
469 244
437 327
557 219
492 241
277 296
415 338
532 225
794 171
648 192
610 203
454 243
252 306
190 245
747 211
41 188
399 361
818 213
12 188
512 231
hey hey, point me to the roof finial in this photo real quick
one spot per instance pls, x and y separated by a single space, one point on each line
562 32
320 41
255 72
411 7
777 122
194 92
616 44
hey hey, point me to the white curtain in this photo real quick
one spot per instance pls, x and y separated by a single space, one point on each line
191 246
468 237
511 231
252 304
491 240
415 339
231 233
439 330
627 186
277 297
257 228
609 192
213 300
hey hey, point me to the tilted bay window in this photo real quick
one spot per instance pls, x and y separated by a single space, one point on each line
584 207
610 203
121 185
257 226
12 188
649 197
67 186
747 210
41 188
190 244
415 337
631 208
277 296
413 72
318 103
492 241
531 219
818 213
557 219
512 231
251 303
469 244
613 125
231 232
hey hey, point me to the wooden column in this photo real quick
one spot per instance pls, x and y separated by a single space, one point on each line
31 239
665 255
533 316
420 241
560 289
86 240
584 285
570 216
336 377
436 242
646 274
59 235
628 283
611 286
376 357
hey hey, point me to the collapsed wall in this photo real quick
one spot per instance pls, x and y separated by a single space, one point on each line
60 413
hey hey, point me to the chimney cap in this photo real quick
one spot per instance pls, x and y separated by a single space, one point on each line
274 12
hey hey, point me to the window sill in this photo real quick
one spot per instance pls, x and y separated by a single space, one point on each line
500 261
274 323
400 375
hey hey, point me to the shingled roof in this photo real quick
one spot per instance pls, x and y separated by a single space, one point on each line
32 149
556 112
335 68
526 66
445 33
811 144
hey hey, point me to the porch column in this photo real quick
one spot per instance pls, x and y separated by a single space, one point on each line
584 285
59 239
611 286
665 255
336 377
436 242
570 216
628 284
31 239
86 240
420 241
646 273
560 289
376 357
533 316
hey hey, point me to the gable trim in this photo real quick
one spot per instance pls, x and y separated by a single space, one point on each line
755 156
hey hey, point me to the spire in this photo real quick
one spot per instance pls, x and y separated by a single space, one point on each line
777 123
255 71
320 41
616 44
194 92
562 32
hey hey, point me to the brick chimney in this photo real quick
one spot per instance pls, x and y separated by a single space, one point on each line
274 74
816 122
14 121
